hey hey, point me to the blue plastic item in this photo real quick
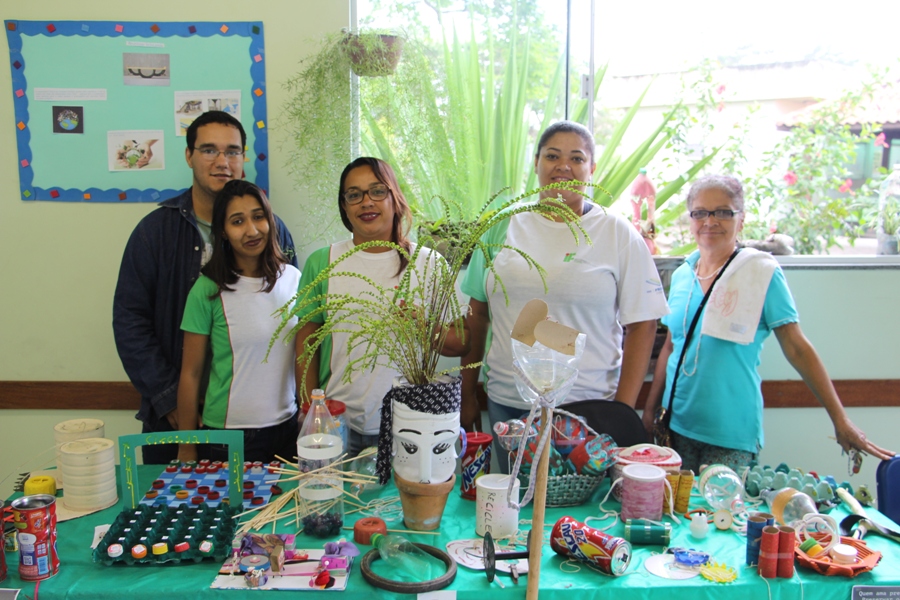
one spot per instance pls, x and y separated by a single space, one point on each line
887 486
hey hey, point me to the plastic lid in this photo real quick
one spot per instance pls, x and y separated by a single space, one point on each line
335 407
641 472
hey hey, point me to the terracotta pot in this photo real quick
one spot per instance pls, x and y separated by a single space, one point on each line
423 503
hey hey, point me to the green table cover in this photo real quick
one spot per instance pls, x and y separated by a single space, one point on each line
81 579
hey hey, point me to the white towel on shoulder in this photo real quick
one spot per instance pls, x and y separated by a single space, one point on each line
735 305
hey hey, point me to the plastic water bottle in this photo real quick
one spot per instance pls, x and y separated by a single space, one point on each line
788 504
408 562
319 445
722 488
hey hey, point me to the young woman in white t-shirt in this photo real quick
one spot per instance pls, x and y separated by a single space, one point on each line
228 316
372 208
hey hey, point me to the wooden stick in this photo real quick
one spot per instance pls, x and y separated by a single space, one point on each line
537 514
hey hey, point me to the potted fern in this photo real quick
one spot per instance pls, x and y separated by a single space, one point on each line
889 227
405 327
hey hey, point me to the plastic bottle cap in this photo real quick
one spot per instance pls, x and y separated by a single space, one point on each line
843 554
335 407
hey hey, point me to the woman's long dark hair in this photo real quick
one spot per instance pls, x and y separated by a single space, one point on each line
402 214
222 268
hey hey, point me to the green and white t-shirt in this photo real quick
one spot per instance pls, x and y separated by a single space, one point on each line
594 288
244 392
364 393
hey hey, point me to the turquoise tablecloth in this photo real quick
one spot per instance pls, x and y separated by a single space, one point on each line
79 578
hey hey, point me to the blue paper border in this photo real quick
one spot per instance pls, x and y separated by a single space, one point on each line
253 30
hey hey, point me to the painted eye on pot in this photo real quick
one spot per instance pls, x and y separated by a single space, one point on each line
440 448
410 448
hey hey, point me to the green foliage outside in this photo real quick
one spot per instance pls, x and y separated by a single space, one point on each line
802 186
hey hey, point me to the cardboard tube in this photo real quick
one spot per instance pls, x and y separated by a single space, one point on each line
768 553
786 543
683 495
673 479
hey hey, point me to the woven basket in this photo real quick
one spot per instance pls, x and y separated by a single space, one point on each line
866 560
568 490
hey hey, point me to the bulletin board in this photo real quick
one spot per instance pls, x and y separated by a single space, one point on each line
101 107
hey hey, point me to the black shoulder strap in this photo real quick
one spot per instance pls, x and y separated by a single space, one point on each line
690 332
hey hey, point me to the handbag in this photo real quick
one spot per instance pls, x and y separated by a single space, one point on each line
662 433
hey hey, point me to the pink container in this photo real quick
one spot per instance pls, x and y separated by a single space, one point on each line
644 454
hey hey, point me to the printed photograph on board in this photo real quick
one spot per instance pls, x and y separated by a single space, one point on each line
138 150
68 119
139 68
191 104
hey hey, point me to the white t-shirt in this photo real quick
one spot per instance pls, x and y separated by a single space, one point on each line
244 392
364 393
593 288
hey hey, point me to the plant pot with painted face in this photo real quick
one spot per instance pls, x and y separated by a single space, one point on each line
419 428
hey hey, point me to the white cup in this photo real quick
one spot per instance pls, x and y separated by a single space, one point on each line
492 511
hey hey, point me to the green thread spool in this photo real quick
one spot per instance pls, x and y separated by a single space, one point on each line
647 533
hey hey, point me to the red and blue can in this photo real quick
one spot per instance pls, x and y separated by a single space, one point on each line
35 520
475 461
608 553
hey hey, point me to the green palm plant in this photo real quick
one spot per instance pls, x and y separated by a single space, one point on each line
471 132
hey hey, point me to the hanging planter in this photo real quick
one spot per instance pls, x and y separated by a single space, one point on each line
374 54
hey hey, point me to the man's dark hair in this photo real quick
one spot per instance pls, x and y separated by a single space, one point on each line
213 116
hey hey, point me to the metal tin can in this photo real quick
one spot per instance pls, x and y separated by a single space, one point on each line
608 553
35 520
642 531
474 462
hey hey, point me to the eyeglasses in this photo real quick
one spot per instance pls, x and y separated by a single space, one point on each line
212 154
377 193
723 214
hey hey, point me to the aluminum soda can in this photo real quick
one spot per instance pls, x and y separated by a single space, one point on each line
608 553
475 461
35 520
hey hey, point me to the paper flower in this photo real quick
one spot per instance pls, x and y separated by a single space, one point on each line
790 177
845 187
879 140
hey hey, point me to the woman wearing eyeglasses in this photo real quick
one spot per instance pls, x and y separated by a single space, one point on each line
717 409
594 288
372 208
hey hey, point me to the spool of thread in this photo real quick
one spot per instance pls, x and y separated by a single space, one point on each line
71 430
768 552
89 469
643 532
786 543
40 484
643 488
755 526
683 493
673 479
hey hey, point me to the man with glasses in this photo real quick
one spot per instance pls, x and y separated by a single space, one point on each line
161 262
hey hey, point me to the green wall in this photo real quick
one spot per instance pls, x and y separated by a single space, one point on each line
61 259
